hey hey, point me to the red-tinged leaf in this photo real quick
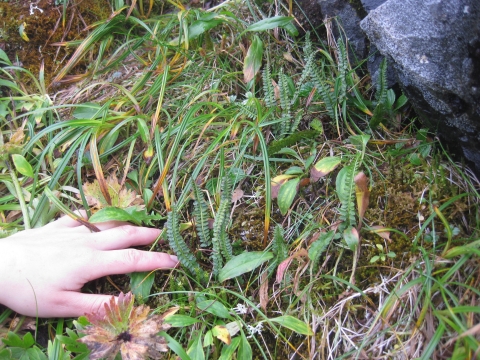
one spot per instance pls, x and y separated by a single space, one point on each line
286 263
253 60
126 329
286 194
363 195
351 237
381 231
324 166
278 181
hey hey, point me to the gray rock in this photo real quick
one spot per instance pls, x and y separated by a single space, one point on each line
435 48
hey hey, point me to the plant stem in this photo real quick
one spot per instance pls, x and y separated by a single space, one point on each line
21 199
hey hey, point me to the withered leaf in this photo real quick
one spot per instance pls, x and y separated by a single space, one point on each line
120 196
363 195
127 329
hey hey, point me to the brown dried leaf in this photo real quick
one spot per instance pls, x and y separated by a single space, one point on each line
237 195
381 231
363 195
120 196
263 293
286 263
127 329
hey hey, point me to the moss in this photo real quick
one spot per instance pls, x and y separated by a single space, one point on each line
44 28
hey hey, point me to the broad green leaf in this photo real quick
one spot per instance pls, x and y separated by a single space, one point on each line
270 23
214 307
294 170
253 60
110 213
293 324
319 245
141 284
4 57
243 263
22 165
324 166
195 351
143 129
175 346
229 350
244 349
286 194
351 238
181 320
88 111
198 27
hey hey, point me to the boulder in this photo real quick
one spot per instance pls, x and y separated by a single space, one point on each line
434 46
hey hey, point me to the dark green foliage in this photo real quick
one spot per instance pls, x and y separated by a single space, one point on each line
380 96
290 140
178 245
201 215
284 103
268 90
279 248
222 248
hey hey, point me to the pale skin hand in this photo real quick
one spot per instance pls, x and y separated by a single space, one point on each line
43 270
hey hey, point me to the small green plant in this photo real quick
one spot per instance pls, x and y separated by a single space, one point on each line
382 256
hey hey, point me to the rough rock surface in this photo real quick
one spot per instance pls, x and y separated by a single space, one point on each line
434 46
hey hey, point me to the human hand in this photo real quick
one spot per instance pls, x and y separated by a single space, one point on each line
42 270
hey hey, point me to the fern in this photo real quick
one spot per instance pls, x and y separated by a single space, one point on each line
380 95
269 92
201 214
345 186
248 110
324 91
285 103
342 66
178 245
220 241
279 247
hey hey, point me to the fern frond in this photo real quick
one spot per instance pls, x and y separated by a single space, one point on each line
381 85
345 186
249 111
279 249
220 241
296 122
201 215
178 245
268 90
306 74
285 103
380 96
342 67
324 91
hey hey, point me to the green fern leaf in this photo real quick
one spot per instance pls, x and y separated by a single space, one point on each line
201 215
178 245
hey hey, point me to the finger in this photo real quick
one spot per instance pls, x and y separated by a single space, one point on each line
74 304
122 237
130 260
66 221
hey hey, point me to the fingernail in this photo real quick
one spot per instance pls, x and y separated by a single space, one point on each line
174 258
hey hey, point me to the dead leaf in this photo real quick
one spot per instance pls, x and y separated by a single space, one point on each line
127 329
286 263
381 231
263 293
237 195
363 195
